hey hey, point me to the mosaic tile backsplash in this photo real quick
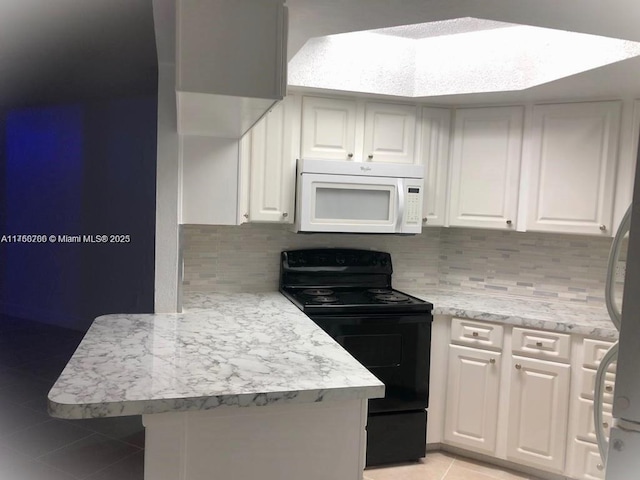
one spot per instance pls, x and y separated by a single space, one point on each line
547 266
246 258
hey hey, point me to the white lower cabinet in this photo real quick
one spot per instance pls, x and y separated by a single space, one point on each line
538 413
472 398
587 462
584 462
509 395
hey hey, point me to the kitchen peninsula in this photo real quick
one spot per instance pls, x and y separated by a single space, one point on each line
245 389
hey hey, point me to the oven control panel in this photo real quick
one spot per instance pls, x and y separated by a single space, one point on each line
336 258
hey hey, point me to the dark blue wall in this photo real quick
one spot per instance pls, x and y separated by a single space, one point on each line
78 169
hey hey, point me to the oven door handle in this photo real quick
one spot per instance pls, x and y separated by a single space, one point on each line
400 211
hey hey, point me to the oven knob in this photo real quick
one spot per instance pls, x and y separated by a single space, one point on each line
340 260
383 262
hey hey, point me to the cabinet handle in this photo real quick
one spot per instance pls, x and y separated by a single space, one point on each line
603 228
608 388
518 366
370 157
246 215
509 222
492 361
285 215
538 344
475 334
350 155
600 467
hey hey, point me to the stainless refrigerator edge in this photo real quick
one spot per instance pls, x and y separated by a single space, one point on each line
623 459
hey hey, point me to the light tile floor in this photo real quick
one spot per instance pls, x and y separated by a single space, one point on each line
34 446
444 466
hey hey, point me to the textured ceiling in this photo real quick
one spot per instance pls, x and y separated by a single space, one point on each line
613 18
461 56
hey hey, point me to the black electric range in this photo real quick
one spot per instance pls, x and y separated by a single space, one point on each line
348 293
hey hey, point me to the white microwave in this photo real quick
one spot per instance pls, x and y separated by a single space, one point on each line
350 197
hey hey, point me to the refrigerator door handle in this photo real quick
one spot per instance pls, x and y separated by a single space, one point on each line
598 395
614 255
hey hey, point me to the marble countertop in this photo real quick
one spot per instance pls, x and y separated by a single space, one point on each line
226 350
520 311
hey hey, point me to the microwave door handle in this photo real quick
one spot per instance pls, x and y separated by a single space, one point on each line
399 220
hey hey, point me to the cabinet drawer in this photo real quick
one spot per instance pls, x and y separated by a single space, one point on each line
586 430
477 334
588 464
588 385
544 345
594 350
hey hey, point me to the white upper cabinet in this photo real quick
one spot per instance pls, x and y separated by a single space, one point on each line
485 167
231 64
435 127
573 155
389 133
345 129
328 128
268 152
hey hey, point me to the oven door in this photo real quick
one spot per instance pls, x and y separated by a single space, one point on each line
395 348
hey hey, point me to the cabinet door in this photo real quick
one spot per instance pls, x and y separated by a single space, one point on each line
574 151
485 167
231 64
588 464
436 123
272 167
328 128
389 133
538 413
472 398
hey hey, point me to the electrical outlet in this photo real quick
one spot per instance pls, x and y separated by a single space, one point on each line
621 269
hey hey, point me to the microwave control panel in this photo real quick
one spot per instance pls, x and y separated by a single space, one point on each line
414 205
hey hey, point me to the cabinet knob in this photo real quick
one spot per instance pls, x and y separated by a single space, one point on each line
475 334
509 222
246 215
350 155
605 425
518 366
285 215
425 219
603 228
608 388
492 361
370 157
538 344
600 467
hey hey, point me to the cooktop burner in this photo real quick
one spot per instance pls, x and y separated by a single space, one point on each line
323 299
392 297
323 292
378 291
